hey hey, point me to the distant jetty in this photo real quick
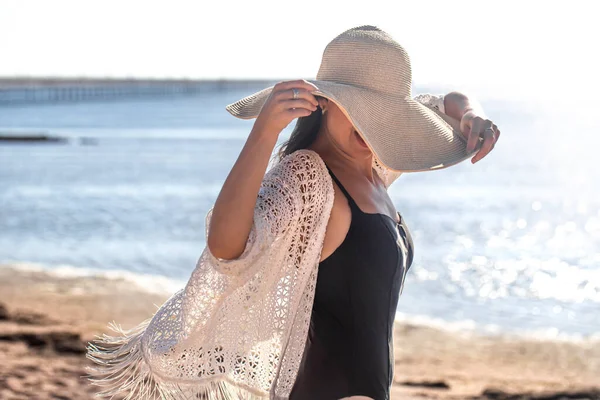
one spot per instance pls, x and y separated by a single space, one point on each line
30 137
23 90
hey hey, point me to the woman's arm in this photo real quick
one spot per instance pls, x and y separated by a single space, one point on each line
456 104
233 211
453 104
473 123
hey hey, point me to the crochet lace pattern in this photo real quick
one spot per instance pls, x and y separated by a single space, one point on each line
238 328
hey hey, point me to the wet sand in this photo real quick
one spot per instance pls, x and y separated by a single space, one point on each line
46 321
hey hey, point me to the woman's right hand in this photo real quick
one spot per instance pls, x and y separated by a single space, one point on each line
281 108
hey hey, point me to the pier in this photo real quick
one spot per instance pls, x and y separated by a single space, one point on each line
19 91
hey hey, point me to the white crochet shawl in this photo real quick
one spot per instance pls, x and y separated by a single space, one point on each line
238 328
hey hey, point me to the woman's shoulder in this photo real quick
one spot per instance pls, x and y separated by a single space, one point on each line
299 165
299 173
305 158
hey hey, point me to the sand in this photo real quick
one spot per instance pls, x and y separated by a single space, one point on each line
46 321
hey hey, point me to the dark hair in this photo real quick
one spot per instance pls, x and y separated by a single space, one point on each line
304 134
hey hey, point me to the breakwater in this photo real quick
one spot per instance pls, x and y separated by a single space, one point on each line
16 91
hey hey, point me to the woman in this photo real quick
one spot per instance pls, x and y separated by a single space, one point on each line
295 293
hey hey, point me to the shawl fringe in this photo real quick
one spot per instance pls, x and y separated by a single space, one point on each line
120 369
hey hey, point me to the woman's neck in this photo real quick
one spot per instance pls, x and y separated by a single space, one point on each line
335 157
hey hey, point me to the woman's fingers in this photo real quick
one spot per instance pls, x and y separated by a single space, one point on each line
303 95
477 126
298 112
297 103
486 147
288 100
284 90
497 133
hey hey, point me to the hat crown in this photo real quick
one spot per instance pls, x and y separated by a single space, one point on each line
367 57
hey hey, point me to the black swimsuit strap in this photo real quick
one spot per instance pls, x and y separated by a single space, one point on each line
350 199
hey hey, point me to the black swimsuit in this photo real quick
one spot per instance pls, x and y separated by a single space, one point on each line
349 349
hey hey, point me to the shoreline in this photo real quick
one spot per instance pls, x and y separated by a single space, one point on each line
149 283
47 318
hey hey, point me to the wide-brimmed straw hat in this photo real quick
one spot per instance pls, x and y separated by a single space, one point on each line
367 74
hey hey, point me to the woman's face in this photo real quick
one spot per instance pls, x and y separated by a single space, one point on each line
340 132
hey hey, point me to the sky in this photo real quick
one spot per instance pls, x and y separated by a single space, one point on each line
544 50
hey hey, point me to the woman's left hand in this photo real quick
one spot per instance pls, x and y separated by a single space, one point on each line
473 127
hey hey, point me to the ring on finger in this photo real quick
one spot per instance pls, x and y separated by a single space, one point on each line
488 129
295 93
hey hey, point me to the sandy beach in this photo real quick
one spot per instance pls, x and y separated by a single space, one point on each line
46 321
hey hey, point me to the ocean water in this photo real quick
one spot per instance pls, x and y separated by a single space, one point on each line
511 244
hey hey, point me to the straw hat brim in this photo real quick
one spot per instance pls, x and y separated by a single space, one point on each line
405 135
